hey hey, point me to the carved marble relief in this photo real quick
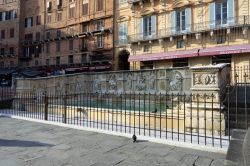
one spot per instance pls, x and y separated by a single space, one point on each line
205 79
128 82
176 82
141 82
152 81
112 83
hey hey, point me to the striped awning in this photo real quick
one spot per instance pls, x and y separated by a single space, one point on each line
220 50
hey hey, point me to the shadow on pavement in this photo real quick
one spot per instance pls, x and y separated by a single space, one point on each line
20 143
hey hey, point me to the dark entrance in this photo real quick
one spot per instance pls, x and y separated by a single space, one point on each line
123 60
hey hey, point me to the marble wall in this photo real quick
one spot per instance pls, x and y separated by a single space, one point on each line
148 81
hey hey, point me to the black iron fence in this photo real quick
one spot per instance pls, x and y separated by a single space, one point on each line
189 118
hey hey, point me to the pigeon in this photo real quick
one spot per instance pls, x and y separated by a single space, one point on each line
134 138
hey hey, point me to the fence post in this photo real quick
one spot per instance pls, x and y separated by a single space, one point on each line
65 108
46 105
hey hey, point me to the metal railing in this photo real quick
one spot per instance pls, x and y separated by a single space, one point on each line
240 21
189 118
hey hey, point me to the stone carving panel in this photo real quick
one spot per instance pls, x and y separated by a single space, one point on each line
205 79
176 82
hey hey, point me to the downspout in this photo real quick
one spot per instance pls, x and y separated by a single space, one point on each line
113 31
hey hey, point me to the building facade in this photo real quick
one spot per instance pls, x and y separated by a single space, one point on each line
161 34
58 34
9 31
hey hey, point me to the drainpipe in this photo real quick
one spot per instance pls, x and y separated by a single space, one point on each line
113 31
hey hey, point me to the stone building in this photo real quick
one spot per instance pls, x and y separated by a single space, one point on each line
174 33
9 31
59 34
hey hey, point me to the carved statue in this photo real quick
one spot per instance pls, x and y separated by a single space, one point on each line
176 83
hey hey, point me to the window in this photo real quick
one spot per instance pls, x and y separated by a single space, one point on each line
59 16
180 20
147 65
2 51
123 33
58 59
71 59
12 32
71 44
11 63
47 62
99 41
221 39
148 26
221 13
49 18
180 43
49 6
2 34
146 48
84 58
84 45
59 4
38 20
28 37
85 7
58 46
36 62
37 50
84 28
47 48
38 36
72 11
2 64
99 24
47 35
99 5
221 59
11 51
58 33
181 62
28 22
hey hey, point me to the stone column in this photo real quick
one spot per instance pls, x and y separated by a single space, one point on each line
208 89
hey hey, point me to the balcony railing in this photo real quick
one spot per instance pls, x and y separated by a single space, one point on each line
241 21
7 54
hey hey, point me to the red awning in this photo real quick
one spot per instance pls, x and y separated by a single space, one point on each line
221 50
164 55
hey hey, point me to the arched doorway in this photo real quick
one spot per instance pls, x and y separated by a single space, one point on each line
123 60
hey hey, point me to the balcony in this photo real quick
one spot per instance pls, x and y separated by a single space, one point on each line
241 21
8 54
102 47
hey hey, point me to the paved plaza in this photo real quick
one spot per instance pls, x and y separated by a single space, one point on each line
28 143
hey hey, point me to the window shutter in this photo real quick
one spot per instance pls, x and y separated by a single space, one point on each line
4 15
212 15
173 22
188 17
153 22
230 12
141 28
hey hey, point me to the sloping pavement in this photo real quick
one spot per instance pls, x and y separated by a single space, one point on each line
28 143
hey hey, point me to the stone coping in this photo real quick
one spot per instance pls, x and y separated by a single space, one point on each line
218 66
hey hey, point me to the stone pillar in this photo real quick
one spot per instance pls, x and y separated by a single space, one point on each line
208 87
